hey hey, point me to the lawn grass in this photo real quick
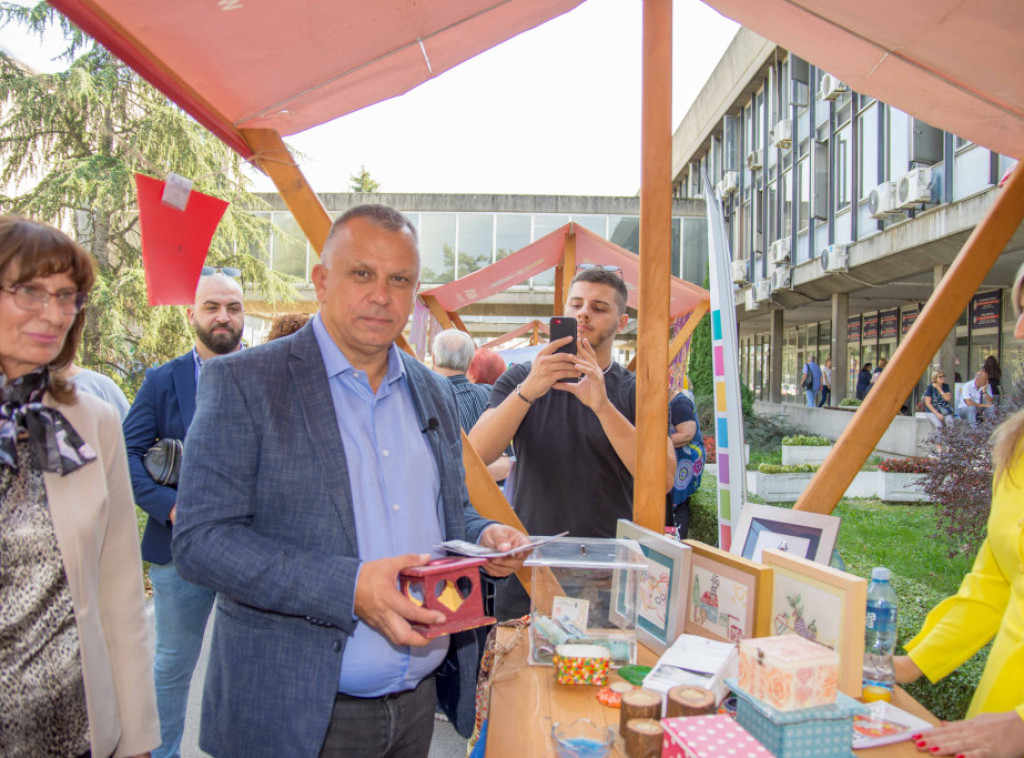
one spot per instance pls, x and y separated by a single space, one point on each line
903 538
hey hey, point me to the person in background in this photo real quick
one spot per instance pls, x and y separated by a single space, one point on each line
937 399
990 603
973 397
684 431
878 370
452 352
285 324
486 366
76 668
995 377
810 380
826 384
863 381
98 385
163 409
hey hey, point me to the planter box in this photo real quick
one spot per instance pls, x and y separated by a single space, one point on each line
900 488
794 455
778 488
786 488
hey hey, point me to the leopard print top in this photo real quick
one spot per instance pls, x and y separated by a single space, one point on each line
42 694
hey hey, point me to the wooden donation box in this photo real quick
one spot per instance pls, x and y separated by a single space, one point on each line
449 585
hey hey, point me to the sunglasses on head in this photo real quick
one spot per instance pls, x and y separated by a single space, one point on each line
598 267
234 273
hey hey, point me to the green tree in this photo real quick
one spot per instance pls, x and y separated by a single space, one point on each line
70 143
363 182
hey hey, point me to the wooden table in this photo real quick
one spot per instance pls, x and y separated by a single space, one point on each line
525 697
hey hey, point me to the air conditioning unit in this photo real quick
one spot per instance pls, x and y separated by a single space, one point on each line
782 134
762 290
755 160
914 188
729 184
778 251
780 279
831 88
748 300
882 200
833 259
739 272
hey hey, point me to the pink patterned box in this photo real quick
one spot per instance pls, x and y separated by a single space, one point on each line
709 737
789 672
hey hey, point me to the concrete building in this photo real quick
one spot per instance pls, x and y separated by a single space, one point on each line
461 233
843 215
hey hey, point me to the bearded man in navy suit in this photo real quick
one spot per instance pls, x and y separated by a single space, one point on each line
318 467
163 409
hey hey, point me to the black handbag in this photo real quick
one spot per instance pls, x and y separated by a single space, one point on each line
163 461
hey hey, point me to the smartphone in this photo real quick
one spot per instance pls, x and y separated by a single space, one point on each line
564 326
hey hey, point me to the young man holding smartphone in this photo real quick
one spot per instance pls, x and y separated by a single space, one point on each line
575 441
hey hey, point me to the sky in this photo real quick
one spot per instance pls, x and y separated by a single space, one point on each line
555 110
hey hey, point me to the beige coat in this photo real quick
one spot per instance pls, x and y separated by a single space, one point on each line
93 516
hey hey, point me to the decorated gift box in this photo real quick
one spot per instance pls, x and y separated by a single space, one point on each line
788 672
822 732
708 737
584 592
581 664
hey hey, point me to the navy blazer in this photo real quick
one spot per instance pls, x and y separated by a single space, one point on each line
265 519
163 409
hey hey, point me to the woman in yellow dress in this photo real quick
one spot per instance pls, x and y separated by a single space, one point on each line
990 603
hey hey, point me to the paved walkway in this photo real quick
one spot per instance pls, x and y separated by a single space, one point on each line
447 743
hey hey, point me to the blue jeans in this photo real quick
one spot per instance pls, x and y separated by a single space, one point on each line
181 609
970 412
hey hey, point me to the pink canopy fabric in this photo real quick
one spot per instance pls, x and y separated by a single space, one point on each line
545 253
956 65
288 66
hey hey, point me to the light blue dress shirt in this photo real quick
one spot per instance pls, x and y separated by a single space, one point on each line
396 503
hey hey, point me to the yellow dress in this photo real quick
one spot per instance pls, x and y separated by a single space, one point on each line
990 603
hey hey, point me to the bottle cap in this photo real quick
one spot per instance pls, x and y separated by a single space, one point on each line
881 573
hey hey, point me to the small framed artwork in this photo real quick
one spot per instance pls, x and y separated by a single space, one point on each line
822 604
800 533
727 597
658 617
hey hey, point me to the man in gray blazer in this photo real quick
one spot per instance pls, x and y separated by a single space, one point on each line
316 468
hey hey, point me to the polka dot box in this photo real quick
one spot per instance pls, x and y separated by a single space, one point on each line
709 737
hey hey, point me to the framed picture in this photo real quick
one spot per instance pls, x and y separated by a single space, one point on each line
727 597
658 617
822 604
800 533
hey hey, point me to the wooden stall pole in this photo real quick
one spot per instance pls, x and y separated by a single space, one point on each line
568 263
274 158
953 294
535 337
655 255
438 312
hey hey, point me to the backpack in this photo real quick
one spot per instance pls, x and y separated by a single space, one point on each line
690 460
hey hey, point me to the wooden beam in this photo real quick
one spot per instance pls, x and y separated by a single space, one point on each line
535 338
915 353
487 498
568 265
456 319
688 329
274 158
655 264
439 313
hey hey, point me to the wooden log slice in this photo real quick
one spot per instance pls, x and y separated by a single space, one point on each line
687 700
639 704
643 738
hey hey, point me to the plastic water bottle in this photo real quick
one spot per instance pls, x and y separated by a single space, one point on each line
879 637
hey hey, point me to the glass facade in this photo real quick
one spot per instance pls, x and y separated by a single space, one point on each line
454 244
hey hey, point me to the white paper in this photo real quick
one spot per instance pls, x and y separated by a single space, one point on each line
176 191
695 661
884 725
461 547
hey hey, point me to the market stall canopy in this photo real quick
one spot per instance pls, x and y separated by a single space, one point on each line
519 331
546 253
954 64
245 64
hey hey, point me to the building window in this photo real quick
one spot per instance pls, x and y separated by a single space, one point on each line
804 194
867 137
843 186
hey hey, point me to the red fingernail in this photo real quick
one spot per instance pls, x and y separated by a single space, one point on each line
959 755
915 736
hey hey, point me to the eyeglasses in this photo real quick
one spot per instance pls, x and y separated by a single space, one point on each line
234 273
598 267
30 298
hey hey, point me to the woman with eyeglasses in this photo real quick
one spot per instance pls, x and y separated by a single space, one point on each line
988 606
76 669
937 399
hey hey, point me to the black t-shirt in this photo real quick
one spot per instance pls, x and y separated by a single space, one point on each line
568 475
681 410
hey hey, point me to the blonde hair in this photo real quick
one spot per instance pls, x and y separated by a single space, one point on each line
1006 440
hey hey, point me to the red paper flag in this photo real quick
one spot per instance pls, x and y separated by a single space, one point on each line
174 243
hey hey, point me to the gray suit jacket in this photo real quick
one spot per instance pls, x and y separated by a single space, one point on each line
265 519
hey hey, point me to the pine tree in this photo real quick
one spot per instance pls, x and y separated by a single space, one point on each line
363 182
70 143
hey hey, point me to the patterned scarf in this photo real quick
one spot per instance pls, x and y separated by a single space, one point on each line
56 445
